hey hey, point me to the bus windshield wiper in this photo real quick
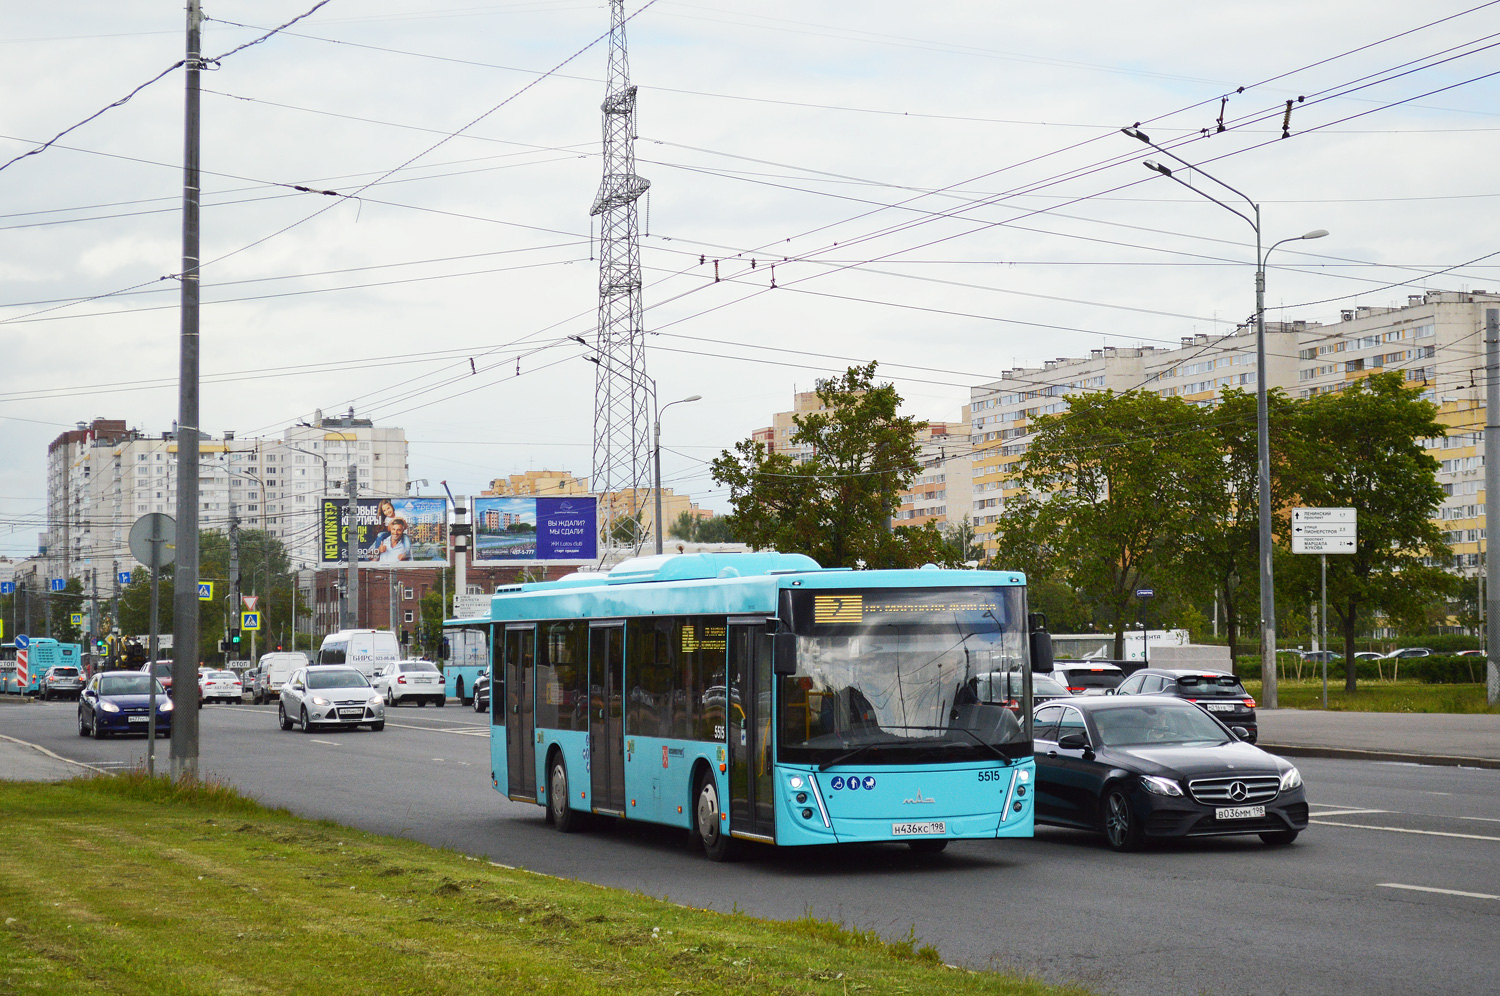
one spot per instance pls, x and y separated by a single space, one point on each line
968 733
851 754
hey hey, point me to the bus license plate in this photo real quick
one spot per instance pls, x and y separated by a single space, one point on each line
930 829
1240 813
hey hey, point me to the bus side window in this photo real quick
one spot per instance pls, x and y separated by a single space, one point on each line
562 700
651 674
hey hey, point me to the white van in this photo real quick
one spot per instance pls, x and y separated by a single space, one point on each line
271 674
365 649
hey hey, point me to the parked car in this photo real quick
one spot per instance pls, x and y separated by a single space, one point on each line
62 681
330 695
482 691
163 671
120 702
1087 677
1406 652
1472 653
1319 656
1152 767
411 681
272 673
1220 694
1368 655
1004 688
220 686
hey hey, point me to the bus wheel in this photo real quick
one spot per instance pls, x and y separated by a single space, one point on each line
717 844
562 815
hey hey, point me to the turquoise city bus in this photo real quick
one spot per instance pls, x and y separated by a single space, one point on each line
465 654
761 697
43 654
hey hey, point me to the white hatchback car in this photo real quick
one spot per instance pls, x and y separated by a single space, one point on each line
411 681
330 695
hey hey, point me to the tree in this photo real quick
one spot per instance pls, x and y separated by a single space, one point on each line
1221 558
698 529
1365 442
836 504
1110 488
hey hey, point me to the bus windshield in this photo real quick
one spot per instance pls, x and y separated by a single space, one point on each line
905 676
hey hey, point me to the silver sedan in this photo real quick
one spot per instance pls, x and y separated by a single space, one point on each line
329 696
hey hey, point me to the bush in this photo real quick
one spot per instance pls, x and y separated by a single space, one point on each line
1438 669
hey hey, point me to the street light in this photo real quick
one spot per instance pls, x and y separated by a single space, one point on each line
656 455
1262 417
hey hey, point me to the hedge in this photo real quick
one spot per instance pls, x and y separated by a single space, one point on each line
1445 669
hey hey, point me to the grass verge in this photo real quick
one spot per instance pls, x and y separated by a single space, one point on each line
1377 696
124 885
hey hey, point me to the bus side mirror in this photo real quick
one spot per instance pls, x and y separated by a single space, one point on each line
1041 644
784 650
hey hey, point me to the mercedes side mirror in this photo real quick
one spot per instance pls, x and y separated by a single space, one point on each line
1074 741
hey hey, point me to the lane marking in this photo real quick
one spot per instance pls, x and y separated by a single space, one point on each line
1350 812
331 743
1425 833
1441 892
471 732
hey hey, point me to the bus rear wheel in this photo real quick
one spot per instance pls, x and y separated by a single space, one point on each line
562 814
708 822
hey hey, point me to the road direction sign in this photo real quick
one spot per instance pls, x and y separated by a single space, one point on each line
1325 530
249 620
123 577
205 591
250 601
156 529
1145 593
57 584
7 587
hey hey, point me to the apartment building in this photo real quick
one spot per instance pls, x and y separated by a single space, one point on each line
943 481
103 476
543 483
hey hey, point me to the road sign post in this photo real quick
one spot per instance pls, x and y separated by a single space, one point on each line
1145 594
1324 531
153 541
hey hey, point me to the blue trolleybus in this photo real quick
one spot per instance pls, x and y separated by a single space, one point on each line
760 697
466 653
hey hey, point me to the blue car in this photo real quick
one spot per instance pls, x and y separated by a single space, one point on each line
120 702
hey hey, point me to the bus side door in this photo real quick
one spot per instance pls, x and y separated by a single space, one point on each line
752 793
519 705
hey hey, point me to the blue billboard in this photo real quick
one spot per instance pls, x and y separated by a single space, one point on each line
509 530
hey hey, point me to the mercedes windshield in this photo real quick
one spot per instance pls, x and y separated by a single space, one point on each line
900 676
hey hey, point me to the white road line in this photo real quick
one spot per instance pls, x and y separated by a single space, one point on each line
1349 812
1441 892
331 743
471 732
1425 833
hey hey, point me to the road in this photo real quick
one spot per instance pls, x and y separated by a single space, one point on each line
1394 889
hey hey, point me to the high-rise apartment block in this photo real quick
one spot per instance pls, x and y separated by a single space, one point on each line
102 476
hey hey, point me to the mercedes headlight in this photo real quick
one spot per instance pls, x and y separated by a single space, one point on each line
1160 786
109 707
1290 778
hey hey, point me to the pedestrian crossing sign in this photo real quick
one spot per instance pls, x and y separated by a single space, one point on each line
205 591
249 620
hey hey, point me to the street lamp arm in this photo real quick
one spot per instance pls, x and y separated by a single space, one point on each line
1202 193
1140 136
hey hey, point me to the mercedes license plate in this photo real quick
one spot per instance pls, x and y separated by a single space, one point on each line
928 829
1240 813
1221 707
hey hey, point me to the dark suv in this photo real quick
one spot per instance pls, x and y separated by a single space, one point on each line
1220 694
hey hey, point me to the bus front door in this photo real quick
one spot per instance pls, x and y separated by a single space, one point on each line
752 797
606 717
520 712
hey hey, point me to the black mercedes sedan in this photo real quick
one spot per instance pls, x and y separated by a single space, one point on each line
1142 767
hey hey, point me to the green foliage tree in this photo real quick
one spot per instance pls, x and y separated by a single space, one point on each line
695 529
1365 452
1110 489
836 505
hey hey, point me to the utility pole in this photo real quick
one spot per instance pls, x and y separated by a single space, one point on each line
185 586
95 631
1491 495
114 610
234 571
351 620
460 548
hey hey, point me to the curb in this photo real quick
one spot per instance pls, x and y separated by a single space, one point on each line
1350 754
55 757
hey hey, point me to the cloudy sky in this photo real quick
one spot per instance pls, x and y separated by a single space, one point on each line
942 187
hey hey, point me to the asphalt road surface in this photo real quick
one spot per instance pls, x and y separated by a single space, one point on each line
1394 889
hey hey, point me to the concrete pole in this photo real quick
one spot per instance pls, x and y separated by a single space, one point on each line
1491 495
351 613
156 541
1268 698
185 587
234 573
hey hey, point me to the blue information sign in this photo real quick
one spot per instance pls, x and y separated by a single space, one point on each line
7 587
58 584
123 577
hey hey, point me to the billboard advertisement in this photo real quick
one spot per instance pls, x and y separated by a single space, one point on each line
511 530
390 532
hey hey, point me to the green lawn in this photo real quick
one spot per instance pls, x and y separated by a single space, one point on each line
117 885
1377 696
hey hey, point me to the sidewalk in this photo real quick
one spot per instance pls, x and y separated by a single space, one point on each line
24 762
1427 738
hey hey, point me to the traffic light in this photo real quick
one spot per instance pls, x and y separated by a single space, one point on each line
234 639
405 637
